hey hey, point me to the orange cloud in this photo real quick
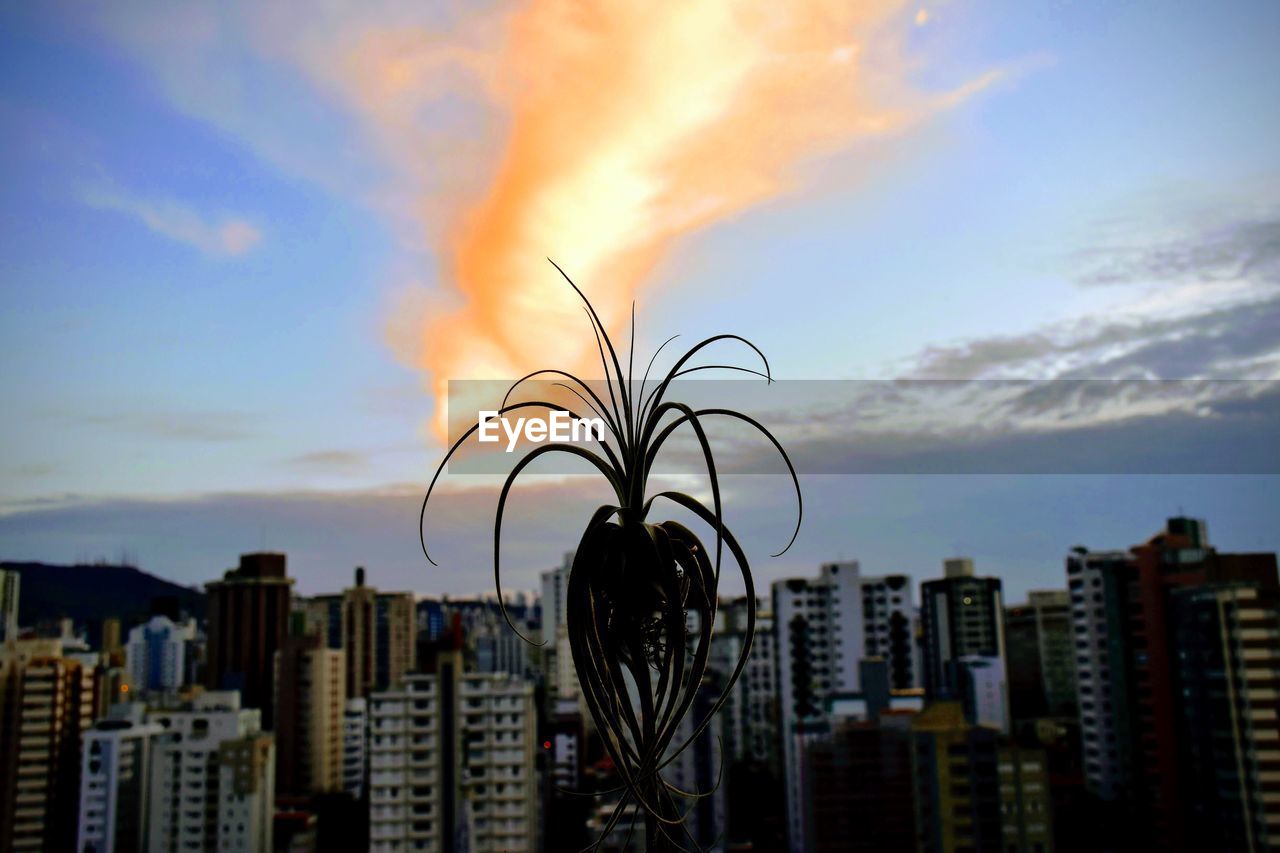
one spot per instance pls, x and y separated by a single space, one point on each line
630 126
596 133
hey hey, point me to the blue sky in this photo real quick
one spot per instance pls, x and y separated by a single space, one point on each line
205 240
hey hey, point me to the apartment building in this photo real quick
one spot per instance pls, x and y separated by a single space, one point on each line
960 615
1041 662
452 762
46 703
1227 674
377 630
156 653
115 782
355 746
212 777
819 631
1132 675
310 686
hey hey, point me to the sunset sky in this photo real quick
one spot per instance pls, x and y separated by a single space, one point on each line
244 244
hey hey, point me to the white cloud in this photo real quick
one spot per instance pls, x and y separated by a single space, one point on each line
225 236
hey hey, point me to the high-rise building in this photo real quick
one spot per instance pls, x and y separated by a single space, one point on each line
112 645
888 617
1041 662
46 703
310 694
452 758
248 620
212 777
415 748
748 720
1127 665
565 736
564 811
820 641
498 648
956 781
10 582
246 807
557 661
1099 584
982 691
115 782
1026 804
377 630
555 596
1226 638
355 746
696 769
499 728
156 655
858 788
960 615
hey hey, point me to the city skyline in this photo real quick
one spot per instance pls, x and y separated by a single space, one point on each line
953 719
209 238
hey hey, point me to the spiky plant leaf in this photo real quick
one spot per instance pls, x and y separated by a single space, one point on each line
632 581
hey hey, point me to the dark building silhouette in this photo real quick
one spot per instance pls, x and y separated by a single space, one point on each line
956 782
961 615
1226 638
248 620
858 793
1132 702
309 701
1041 661
376 630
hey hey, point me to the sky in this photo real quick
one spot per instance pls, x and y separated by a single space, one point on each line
245 244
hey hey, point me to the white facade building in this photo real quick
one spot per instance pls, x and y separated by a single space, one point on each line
212 777
818 624
557 659
409 808
155 655
888 627
985 691
452 763
555 597
499 725
115 778
1090 576
355 745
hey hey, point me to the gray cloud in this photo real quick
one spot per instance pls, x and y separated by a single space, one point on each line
1215 339
1224 326
1208 343
1018 528
1244 248
330 461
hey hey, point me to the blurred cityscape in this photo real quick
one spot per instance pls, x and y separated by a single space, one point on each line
1137 706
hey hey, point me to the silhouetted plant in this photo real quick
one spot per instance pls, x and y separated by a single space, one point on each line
632 583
